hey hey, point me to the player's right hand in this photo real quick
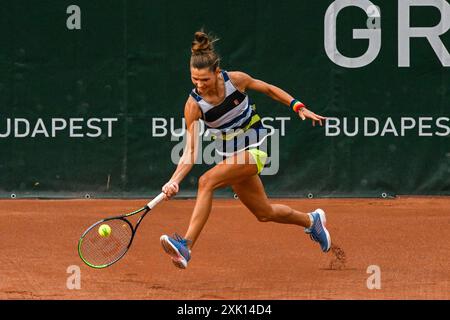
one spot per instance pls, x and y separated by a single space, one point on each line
170 189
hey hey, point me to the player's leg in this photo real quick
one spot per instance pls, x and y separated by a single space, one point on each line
252 194
226 173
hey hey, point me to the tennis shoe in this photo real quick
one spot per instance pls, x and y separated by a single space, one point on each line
178 250
318 232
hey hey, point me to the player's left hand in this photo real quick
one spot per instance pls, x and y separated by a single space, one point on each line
304 113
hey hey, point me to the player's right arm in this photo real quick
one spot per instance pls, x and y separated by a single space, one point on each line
192 114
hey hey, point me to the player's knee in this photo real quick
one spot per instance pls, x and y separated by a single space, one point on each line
264 216
205 182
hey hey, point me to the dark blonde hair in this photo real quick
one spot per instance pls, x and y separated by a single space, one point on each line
203 54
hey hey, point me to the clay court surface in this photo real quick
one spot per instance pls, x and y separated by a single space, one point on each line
236 256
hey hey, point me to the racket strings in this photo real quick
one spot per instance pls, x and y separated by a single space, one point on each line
102 250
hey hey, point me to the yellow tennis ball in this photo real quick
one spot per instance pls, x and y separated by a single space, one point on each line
104 230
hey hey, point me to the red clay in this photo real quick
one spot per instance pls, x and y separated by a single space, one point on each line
236 257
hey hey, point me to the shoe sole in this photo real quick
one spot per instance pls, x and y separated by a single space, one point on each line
178 260
323 219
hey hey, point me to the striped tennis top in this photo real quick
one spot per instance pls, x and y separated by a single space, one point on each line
232 118
234 112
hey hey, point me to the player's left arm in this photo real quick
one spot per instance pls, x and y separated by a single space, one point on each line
243 81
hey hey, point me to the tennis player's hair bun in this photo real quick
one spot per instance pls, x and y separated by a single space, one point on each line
203 54
202 43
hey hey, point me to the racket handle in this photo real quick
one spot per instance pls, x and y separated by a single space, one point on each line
156 200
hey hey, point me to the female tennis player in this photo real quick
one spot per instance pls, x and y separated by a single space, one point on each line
220 100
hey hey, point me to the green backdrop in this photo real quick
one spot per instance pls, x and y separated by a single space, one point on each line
129 62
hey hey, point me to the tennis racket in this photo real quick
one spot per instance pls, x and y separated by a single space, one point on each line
98 250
